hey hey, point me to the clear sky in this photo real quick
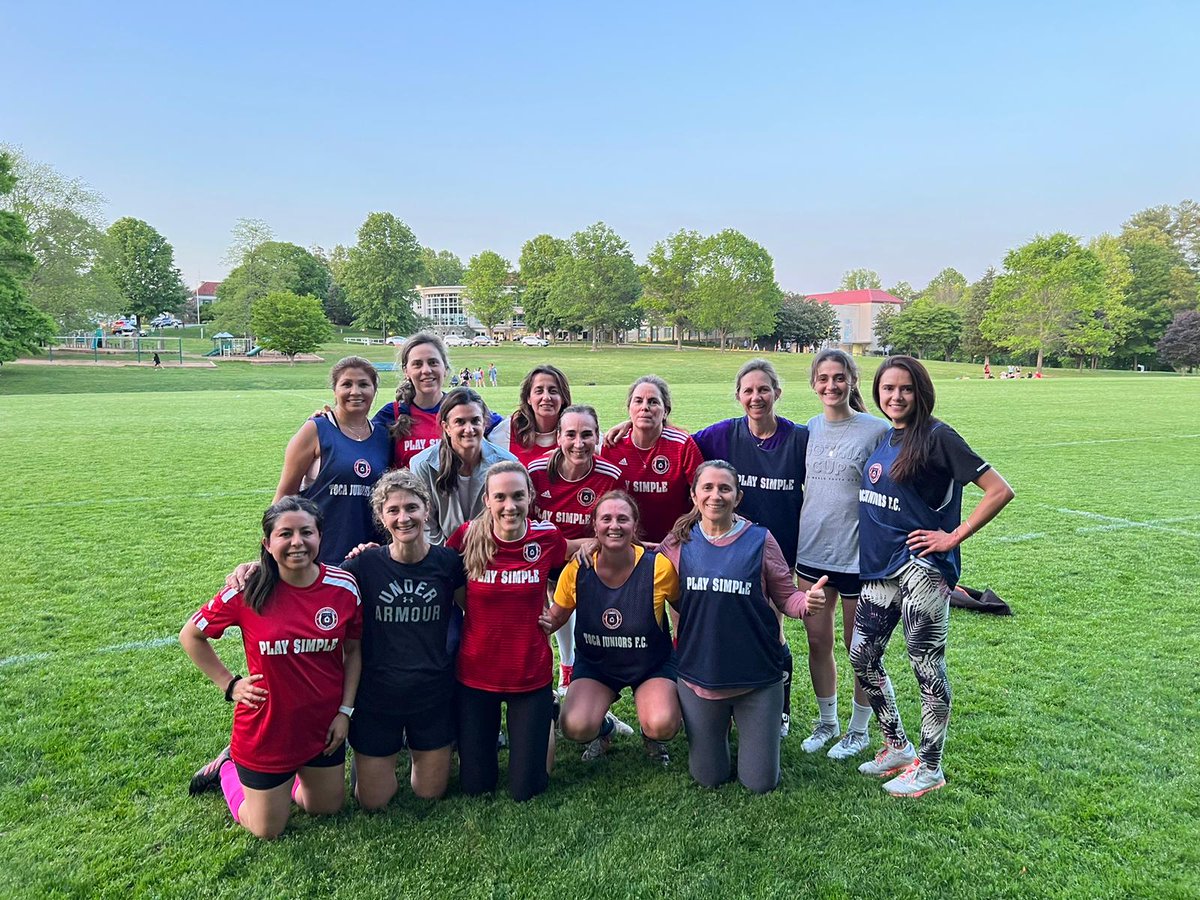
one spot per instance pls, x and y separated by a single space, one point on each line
899 137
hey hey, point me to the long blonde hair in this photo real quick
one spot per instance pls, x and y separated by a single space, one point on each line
479 543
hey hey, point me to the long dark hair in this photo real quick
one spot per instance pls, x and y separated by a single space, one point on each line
556 457
682 529
406 390
916 437
833 354
262 583
524 422
449 462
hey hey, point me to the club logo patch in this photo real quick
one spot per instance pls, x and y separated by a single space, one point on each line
327 618
611 618
362 468
532 552
660 465
586 496
874 472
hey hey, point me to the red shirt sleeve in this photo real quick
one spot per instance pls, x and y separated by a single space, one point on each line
690 459
456 540
219 613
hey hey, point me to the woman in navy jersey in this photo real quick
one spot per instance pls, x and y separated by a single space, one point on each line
619 602
335 459
910 505
504 658
839 442
531 431
733 582
300 623
409 591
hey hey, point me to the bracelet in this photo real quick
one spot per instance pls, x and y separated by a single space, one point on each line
229 688
347 711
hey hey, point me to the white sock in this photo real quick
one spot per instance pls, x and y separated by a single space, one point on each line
565 637
860 718
828 708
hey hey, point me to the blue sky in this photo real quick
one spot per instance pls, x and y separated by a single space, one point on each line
900 137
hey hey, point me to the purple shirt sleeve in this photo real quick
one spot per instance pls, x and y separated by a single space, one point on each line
713 441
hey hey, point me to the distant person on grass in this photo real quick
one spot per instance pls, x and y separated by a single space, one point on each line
157 361
493 375
301 623
910 506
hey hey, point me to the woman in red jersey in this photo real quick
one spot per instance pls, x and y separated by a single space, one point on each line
301 624
504 658
531 431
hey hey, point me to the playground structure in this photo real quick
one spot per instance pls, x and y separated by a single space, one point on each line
225 344
107 346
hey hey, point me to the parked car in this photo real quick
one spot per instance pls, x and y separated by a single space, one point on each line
454 340
482 340
125 331
396 340
532 340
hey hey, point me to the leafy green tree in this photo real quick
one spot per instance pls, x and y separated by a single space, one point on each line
22 326
1098 329
381 273
488 288
441 267
539 261
247 235
947 288
884 325
265 268
1174 226
1180 345
337 309
596 282
669 281
927 328
860 280
1046 286
808 322
903 291
979 296
141 264
736 289
289 324
1160 283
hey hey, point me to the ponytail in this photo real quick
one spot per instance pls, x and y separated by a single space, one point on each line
479 544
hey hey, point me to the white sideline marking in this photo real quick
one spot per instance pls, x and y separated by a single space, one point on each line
1018 538
1116 523
108 501
23 658
113 648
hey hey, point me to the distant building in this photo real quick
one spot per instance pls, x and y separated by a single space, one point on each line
202 294
856 312
444 307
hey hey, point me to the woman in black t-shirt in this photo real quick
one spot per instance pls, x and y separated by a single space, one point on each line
407 688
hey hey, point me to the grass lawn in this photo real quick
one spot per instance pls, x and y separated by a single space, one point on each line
129 493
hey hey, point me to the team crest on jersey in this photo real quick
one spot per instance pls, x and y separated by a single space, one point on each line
660 465
532 552
611 618
362 468
874 472
586 496
327 618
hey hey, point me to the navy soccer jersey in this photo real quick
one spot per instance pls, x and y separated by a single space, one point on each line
771 478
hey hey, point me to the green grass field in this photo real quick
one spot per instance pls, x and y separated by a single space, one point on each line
1071 761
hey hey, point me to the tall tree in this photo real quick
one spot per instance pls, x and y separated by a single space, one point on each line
337 310
268 267
1180 345
289 324
441 267
884 325
736 289
904 291
1047 284
860 280
539 261
141 264
247 235
808 322
21 325
596 281
488 288
1103 325
669 281
1160 283
1175 226
947 288
381 272
979 297
927 328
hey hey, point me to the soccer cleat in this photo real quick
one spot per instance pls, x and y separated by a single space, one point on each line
208 776
889 760
564 678
785 725
822 734
619 727
657 751
916 780
597 748
851 744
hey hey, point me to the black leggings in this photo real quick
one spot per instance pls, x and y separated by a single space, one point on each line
528 722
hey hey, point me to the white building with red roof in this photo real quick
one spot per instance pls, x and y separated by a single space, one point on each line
856 312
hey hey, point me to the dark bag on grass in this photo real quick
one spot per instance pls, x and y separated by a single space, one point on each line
985 601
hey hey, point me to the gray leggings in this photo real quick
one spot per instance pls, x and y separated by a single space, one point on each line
757 718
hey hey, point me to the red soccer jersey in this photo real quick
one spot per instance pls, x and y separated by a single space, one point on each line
295 643
505 435
660 478
425 431
569 504
502 648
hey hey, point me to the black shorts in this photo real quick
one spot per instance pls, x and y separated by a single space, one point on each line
583 669
382 734
264 781
847 584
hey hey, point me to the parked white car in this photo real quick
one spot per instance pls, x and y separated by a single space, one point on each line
532 340
482 340
396 340
454 340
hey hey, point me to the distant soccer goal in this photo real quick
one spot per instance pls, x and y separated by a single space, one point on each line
114 348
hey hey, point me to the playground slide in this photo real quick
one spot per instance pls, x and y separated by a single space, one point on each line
255 351
214 352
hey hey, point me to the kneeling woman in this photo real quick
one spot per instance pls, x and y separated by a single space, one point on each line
620 605
733 577
504 658
301 622
409 590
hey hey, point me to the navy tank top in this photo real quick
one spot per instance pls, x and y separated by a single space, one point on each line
772 483
728 632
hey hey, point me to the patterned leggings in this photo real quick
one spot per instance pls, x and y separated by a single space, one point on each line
921 598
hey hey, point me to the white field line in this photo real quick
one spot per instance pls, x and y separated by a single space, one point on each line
1116 523
1019 538
148 644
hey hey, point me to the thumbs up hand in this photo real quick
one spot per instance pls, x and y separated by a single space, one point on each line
816 595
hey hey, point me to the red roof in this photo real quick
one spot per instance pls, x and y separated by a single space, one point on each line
208 288
842 298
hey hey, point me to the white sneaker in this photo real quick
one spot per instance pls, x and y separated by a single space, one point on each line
597 748
822 734
916 780
785 725
889 760
851 744
619 727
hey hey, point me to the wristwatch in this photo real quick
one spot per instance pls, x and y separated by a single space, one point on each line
347 711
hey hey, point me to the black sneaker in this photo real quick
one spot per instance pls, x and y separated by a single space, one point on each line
657 751
208 776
